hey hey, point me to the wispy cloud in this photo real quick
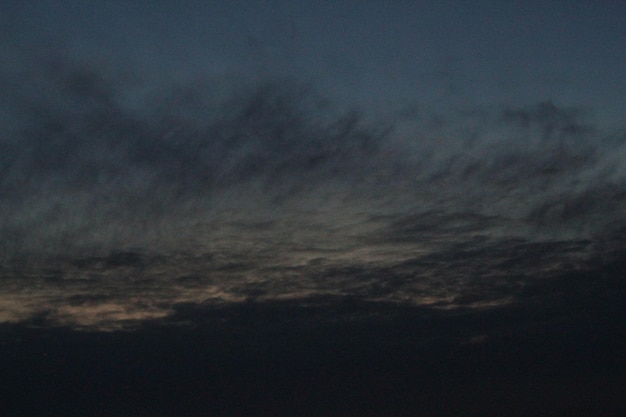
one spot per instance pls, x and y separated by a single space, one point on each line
263 190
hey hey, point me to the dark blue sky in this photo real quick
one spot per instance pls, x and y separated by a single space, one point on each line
379 54
360 204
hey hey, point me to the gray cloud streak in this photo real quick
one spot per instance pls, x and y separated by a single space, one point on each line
226 190
87 152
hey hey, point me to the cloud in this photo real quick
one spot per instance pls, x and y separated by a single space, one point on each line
236 189
83 162
124 290
87 164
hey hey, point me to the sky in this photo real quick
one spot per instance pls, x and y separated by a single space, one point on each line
330 208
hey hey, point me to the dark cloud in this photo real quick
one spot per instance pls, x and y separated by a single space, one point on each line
82 152
82 131
256 189
94 155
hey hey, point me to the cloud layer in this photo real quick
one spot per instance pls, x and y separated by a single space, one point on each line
84 151
266 189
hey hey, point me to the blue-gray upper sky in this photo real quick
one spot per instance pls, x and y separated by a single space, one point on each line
446 53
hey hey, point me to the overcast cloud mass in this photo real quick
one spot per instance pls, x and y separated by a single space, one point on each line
369 205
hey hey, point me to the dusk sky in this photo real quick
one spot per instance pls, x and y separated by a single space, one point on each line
331 208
